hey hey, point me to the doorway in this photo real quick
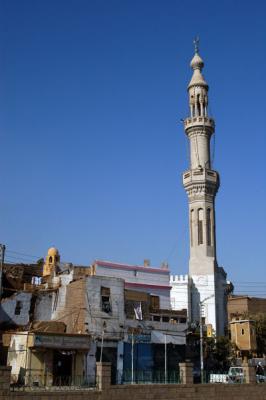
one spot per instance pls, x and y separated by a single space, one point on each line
62 368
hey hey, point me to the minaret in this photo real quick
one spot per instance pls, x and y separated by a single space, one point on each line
201 183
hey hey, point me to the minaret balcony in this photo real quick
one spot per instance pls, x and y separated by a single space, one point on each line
200 175
199 121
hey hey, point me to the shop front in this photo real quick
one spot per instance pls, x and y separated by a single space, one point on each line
48 359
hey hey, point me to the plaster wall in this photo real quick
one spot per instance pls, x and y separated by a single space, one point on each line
43 306
180 292
8 306
95 316
17 354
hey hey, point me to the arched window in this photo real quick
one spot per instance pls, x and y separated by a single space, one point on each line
208 227
191 226
198 104
200 226
50 259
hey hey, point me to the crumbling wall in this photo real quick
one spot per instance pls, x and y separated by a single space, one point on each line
15 310
74 311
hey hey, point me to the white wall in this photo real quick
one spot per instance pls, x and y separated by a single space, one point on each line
180 292
142 276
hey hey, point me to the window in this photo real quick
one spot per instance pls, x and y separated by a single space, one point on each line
208 227
242 331
165 319
200 226
191 226
157 318
173 320
155 302
50 259
105 299
18 307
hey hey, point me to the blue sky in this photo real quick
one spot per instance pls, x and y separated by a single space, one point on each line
92 148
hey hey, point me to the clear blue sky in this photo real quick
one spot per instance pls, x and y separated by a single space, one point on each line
92 148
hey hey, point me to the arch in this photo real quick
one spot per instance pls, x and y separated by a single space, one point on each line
208 227
50 259
191 226
200 226
198 104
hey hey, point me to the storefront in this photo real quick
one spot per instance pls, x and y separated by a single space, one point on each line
46 359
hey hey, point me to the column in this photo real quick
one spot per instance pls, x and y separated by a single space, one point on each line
186 373
103 375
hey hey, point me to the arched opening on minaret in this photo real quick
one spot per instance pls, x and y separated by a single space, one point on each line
208 227
191 226
200 226
198 105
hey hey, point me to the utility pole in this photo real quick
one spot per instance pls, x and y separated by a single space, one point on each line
2 259
132 358
165 359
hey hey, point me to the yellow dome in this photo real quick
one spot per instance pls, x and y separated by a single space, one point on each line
53 252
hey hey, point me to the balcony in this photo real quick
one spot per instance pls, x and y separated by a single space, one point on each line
200 176
199 121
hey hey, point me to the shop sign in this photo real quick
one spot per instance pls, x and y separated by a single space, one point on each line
62 342
139 338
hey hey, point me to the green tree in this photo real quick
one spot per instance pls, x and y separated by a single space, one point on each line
260 326
218 353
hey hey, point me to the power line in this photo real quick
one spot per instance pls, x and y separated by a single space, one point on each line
23 254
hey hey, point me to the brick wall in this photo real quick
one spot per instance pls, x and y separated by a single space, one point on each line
139 392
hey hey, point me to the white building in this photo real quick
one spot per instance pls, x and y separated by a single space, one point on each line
144 278
206 284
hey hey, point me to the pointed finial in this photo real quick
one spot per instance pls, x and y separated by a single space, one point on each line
196 44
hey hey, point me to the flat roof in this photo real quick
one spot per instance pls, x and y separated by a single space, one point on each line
109 264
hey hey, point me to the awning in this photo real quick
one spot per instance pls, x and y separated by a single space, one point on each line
162 337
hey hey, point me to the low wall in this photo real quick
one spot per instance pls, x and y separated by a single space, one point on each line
137 392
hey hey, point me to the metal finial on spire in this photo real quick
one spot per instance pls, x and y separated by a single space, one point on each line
196 44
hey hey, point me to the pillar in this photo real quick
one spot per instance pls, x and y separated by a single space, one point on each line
103 375
186 373
249 373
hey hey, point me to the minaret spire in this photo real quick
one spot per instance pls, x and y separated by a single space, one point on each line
201 184
196 44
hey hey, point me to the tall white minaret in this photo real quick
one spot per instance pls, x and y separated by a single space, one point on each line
201 183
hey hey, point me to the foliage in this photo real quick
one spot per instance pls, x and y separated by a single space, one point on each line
218 353
40 261
260 326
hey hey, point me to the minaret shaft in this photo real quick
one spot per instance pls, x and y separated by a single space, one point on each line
200 181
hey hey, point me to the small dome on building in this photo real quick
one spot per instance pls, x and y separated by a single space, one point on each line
197 78
197 62
53 252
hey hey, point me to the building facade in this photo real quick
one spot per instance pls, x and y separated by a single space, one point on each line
69 317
